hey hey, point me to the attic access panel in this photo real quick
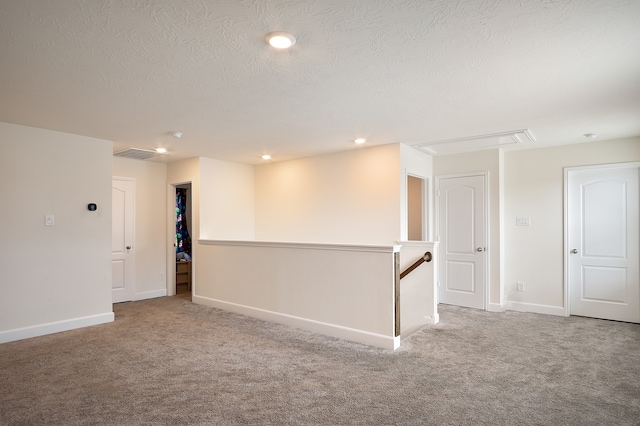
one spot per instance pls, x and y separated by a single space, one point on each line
477 143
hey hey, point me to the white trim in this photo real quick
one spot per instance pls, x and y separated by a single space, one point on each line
567 170
535 308
426 244
425 203
55 327
360 336
628 165
495 307
150 294
417 326
308 246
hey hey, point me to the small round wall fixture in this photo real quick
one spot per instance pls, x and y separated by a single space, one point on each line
161 150
175 134
280 39
266 157
92 207
359 141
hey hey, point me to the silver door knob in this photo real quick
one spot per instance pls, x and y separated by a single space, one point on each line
479 249
574 251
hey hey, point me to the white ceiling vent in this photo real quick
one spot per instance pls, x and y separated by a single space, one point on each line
138 154
476 143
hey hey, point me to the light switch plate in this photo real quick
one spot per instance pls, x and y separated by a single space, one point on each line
49 220
523 221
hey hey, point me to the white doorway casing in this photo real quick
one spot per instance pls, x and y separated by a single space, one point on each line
602 252
122 239
171 235
462 232
417 205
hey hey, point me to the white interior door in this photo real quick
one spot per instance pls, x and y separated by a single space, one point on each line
603 249
122 239
462 236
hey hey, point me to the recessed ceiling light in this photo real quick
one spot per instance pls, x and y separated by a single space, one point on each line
161 150
266 157
590 135
176 134
280 39
359 141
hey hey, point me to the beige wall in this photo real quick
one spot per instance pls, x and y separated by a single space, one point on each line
342 290
150 223
222 206
530 183
226 200
59 277
534 185
347 197
415 206
53 277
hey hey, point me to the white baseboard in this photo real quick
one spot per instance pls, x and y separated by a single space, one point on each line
360 336
150 294
54 327
535 308
495 307
408 331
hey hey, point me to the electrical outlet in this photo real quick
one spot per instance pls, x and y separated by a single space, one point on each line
523 221
520 286
49 220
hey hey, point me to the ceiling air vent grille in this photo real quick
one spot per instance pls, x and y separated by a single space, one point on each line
476 143
138 154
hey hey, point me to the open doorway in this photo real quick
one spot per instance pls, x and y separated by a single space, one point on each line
416 206
182 243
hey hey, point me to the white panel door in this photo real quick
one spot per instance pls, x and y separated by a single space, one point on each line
603 243
462 236
122 237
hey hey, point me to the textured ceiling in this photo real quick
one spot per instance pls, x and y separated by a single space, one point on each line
408 71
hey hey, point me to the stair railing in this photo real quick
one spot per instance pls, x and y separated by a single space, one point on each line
426 258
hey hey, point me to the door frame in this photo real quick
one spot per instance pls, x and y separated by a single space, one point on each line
426 219
171 235
565 256
486 225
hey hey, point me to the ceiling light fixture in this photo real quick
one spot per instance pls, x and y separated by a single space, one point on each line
590 135
359 141
280 39
266 157
161 150
176 134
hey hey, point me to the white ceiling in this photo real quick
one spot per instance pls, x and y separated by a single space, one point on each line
408 71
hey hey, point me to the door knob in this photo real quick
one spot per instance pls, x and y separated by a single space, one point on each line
479 249
574 251
128 247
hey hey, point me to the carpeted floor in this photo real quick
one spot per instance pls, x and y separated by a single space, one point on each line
167 361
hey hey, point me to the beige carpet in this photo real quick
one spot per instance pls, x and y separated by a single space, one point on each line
167 361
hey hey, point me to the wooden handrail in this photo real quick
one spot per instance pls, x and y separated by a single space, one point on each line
426 258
